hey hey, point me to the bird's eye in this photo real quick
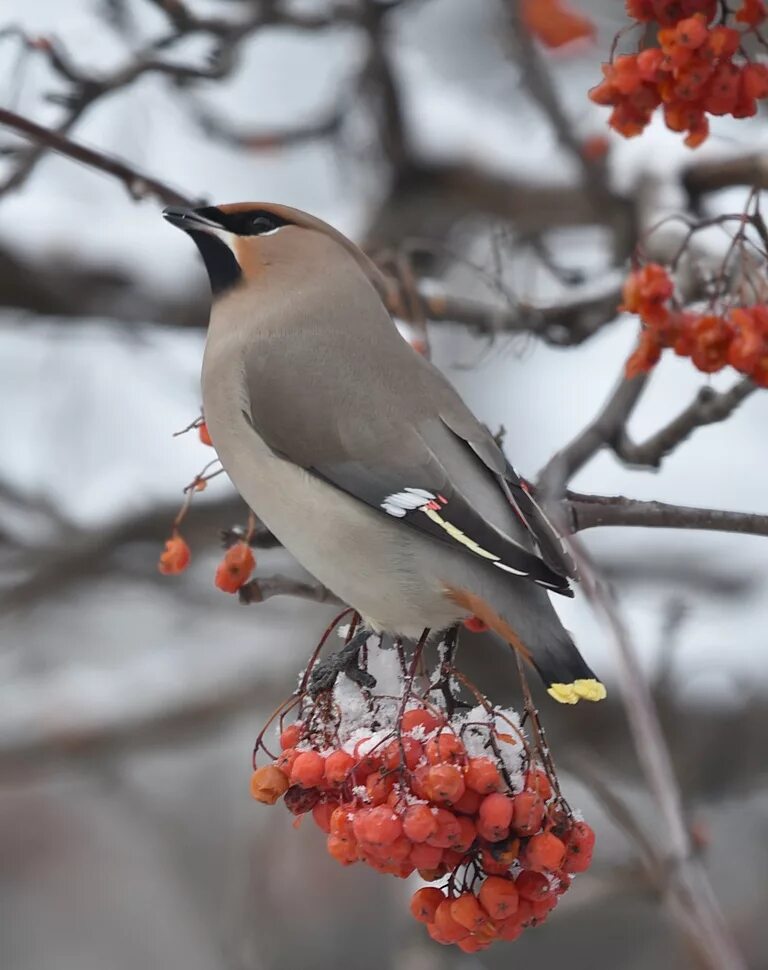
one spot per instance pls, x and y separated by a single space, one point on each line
261 224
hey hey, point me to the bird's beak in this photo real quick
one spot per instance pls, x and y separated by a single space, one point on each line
190 220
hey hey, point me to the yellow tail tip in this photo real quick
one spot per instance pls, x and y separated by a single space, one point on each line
588 690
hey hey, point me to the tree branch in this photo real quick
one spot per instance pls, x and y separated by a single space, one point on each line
260 589
709 407
603 430
138 185
595 511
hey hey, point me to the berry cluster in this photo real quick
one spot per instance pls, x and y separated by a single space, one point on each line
457 799
691 74
737 335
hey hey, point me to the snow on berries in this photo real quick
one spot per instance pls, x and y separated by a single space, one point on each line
713 338
698 69
409 780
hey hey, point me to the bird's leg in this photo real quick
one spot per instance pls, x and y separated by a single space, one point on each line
447 651
344 661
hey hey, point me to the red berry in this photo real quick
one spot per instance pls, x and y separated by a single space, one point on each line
483 776
544 853
444 784
419 823
290 736
579 847
532 885
338 765
499 897
424 903
308 769
528 813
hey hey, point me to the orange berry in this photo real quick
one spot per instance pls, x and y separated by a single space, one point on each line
425 856
468 833
511 929
472 944
496 814
691 32
286 759
175 557
308 769
544 853
341 850
467 911
445 748
448 831
322 813
406 750
379 787
532 885
290 736
469 802
528 813
235 568
444 783
499 897
202 430
379 827
436 935
492 865
268 783
424 903
420 722
419 823
446 925
483 776
338 765
579 847
341 823
537 781
367 758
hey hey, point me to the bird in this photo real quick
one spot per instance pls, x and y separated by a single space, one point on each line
358 454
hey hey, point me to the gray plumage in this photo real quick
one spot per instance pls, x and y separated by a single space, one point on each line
319 411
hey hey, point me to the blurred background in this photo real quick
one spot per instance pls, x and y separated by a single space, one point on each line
129 701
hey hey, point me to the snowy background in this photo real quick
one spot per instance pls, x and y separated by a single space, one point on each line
128 702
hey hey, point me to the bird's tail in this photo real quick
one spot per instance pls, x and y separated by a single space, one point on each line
522 614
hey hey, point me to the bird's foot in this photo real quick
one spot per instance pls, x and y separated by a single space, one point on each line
344 661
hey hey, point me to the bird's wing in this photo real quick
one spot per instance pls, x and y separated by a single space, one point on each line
372 419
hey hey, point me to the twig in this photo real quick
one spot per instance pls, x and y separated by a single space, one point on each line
709 407
138 185
593 511
261 589
603 430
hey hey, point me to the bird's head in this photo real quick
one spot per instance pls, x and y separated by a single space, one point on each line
240 241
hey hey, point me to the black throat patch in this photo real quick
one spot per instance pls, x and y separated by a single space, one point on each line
223 269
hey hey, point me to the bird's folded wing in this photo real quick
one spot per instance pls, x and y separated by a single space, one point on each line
390 431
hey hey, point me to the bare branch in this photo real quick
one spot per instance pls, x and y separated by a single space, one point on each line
603 430
563 325
711 175
138 185
260 589
709 407
593 511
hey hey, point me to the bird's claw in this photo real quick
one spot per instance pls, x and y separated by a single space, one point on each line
344 661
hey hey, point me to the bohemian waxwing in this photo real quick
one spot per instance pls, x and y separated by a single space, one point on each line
358 454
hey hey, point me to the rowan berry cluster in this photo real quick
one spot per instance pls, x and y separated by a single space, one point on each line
457 799
735 335
698 69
